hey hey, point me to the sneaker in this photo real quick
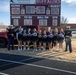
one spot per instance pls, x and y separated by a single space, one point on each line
43 48
21 48
28 48
18 49
24 48
36 49
49 48
39 49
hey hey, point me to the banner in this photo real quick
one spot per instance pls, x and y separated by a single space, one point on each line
22 1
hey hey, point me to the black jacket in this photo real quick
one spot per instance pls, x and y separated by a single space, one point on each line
10 34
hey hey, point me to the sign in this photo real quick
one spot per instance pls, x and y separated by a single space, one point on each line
34 1
22 1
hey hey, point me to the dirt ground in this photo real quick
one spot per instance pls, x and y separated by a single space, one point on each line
51 54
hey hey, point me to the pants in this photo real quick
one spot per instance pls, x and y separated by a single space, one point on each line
11 42
68 45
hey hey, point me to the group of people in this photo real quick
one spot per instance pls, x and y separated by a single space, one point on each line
42 39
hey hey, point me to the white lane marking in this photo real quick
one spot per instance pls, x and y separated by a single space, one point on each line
42 57
39 66
13 63
3 73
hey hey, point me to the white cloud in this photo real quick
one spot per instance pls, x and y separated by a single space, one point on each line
69 1
72 20
4 6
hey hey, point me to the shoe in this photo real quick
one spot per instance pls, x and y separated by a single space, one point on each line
44 49
18 49
28 48
24 48
49 48
21 48
39 49
36 49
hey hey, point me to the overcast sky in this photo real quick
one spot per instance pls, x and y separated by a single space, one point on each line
68 10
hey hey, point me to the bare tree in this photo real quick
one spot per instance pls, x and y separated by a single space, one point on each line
64 20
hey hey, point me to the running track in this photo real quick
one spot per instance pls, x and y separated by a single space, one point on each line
12 64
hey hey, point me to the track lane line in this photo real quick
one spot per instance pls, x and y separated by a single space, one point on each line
3 73
39 66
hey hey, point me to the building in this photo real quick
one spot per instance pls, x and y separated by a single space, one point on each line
44 13
72 26
3 28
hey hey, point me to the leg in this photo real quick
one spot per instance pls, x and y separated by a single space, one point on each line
39 45
44 46
9 42
28 45
35 46
21 44
67 44
12 41
18 44
70 47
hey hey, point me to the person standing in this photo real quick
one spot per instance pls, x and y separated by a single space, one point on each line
19 38
68 35
28 38
61 39
55 39
10 35
50 39
40 39
34 38
24 39
44 39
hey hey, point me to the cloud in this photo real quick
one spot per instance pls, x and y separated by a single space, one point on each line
4 6
69 1
72 20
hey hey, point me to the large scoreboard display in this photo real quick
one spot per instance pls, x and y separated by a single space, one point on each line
35 12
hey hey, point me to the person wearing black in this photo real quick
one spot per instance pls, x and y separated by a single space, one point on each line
68 35
19 38
61 39
55 39
28 38
40 39
50 39
34 38
24 39
10 35
44 39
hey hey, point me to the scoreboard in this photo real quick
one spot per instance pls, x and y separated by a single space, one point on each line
35 12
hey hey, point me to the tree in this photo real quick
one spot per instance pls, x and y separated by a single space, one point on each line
64 20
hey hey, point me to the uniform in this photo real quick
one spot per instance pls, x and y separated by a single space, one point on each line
61 37
44 38
55 38
20 35
39 37
29 37
34 37
50 37
24 37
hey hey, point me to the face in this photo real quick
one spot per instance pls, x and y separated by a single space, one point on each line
44 32
24 30
51 30
61 30
29 30
56 30
34 29
40 31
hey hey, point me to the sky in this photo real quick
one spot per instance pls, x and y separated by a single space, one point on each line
68 10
